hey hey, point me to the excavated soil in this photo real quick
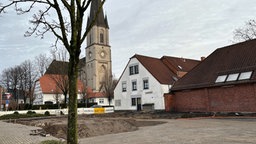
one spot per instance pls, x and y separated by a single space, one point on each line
94 125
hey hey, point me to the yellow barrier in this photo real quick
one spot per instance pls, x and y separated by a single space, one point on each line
99 110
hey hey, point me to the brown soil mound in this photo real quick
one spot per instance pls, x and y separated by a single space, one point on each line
89 126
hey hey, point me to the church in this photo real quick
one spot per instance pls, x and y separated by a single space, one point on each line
98 53
95 70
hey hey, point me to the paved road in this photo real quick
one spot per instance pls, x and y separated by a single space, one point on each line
19 134
181 131
186 131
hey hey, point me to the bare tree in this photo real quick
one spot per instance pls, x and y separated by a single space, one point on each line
62 83
247 32
59 54
107 86
29 78
14 81
6 78
42 62
57 96
69 29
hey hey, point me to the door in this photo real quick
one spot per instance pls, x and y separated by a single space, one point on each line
138 104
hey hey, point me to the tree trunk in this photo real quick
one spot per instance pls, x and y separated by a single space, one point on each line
72 135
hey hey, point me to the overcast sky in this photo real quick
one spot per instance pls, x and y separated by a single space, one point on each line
181 28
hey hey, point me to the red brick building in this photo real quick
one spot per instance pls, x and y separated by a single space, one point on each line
224 82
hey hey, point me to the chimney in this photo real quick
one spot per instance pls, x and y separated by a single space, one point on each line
202 58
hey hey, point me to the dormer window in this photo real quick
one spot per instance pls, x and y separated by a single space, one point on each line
232 77
245 75
221 78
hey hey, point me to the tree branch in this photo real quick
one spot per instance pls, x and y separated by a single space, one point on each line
62 25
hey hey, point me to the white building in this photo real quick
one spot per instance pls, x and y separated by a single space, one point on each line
145 80
99 98
46 90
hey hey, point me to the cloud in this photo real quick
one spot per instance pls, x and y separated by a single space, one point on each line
191 28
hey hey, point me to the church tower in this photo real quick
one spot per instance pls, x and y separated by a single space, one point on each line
98 52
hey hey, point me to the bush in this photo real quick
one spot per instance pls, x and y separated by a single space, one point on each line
47 113
31 112
16 113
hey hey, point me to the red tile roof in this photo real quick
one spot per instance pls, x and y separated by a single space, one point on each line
165 70
179 64
235 58
48 85
92 94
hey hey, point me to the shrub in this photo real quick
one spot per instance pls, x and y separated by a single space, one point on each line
31 112
16 112
47 113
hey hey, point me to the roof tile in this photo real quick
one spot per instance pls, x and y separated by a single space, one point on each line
235 58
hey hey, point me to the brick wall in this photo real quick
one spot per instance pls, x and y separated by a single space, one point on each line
239 98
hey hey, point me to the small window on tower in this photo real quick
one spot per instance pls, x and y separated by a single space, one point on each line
90 39
101 37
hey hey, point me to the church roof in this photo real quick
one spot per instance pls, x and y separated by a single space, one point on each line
57 67
101 20
61 67
234 64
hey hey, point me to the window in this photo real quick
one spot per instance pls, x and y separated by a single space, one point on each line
101 38
90 36
134 85
221 78
131 70
245 75
124 86
179 67
133 101
145 84
134 69
118 102
101 101
232 77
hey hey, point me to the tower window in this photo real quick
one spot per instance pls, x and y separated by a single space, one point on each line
101 38
90 39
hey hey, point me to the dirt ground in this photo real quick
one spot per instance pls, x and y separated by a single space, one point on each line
102 124
95 125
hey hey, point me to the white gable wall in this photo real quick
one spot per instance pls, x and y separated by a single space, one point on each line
40 98
122 100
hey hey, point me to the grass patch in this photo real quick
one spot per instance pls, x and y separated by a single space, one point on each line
52 142
18 116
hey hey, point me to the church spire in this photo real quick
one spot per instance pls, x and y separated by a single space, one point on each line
101 20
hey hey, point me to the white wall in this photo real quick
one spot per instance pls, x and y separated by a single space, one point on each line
64 111
153 95
105 101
